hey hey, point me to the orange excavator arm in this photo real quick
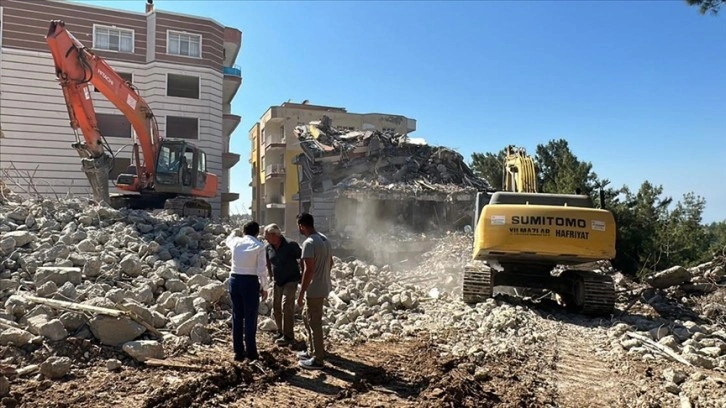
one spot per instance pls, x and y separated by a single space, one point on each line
76 67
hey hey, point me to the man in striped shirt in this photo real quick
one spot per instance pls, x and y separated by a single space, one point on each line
248 282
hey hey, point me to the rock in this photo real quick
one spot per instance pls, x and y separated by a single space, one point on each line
670 277
47 289
212 292
674 376
113 364
186 327
267 325
114 331
20 238
16 337
200 335
143 350
658 333
672 388
4 386
53 330
72 321
670 341
92 267
698 360
58 275
55 367
131 265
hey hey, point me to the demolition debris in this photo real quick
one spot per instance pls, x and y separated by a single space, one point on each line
356 180
132 288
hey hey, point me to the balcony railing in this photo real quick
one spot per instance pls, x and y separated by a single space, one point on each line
274 199
232 71
274 140
274 169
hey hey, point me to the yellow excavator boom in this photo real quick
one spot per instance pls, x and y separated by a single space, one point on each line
520 175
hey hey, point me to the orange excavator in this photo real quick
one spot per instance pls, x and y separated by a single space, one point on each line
164 172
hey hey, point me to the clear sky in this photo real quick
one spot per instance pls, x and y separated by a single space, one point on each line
638 88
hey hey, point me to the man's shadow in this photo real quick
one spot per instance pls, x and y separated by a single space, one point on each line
358 376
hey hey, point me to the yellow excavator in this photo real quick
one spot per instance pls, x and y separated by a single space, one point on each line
522 236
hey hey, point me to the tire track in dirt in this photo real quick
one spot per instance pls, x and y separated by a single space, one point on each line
580 377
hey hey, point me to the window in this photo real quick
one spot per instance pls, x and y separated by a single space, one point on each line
127 76
202 162
113 125
188 45
113 39
183 86
182 128
120 165
201 168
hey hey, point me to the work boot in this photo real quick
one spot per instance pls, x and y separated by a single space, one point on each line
283 341
303 355
278 336
311 364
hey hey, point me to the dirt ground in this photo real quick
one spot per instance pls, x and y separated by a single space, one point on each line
566 372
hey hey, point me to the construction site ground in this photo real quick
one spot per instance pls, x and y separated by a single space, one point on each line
563 371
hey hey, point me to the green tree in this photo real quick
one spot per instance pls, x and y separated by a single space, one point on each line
716 233
653 232
706 6
561 172
684 240
638 218
489 166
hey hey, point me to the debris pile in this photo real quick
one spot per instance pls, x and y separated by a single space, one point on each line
148 284
126 278
383 161
681 317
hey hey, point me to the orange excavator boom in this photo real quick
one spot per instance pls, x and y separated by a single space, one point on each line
76 67
165 173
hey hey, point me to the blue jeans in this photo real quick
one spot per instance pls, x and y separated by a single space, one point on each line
244 291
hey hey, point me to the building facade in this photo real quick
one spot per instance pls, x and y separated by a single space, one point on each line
275 178
183 66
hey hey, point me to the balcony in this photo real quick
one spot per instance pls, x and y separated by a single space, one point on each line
410 125
232 45
229 159
275 142
274 171
234 71
228 197
232 82
274 202
229 123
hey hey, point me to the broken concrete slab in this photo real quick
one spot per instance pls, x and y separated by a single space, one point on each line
114 331
670 277
143 350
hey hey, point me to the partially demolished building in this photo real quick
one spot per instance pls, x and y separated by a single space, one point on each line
357 181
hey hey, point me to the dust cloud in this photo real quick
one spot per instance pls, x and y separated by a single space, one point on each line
413 238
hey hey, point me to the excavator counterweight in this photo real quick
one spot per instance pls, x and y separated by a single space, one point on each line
164 173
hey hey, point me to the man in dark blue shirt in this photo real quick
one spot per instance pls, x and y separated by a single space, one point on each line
283 258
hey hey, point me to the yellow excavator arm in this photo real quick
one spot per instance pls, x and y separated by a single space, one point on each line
520 175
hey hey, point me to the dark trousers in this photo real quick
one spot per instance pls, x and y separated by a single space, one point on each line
244 290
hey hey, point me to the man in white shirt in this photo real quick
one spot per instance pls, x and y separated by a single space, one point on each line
248 280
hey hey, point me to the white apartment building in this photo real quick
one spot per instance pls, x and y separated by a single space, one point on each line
182 65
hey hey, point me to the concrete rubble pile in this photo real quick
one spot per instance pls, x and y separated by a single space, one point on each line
694 332
372 303
385 161
125 278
